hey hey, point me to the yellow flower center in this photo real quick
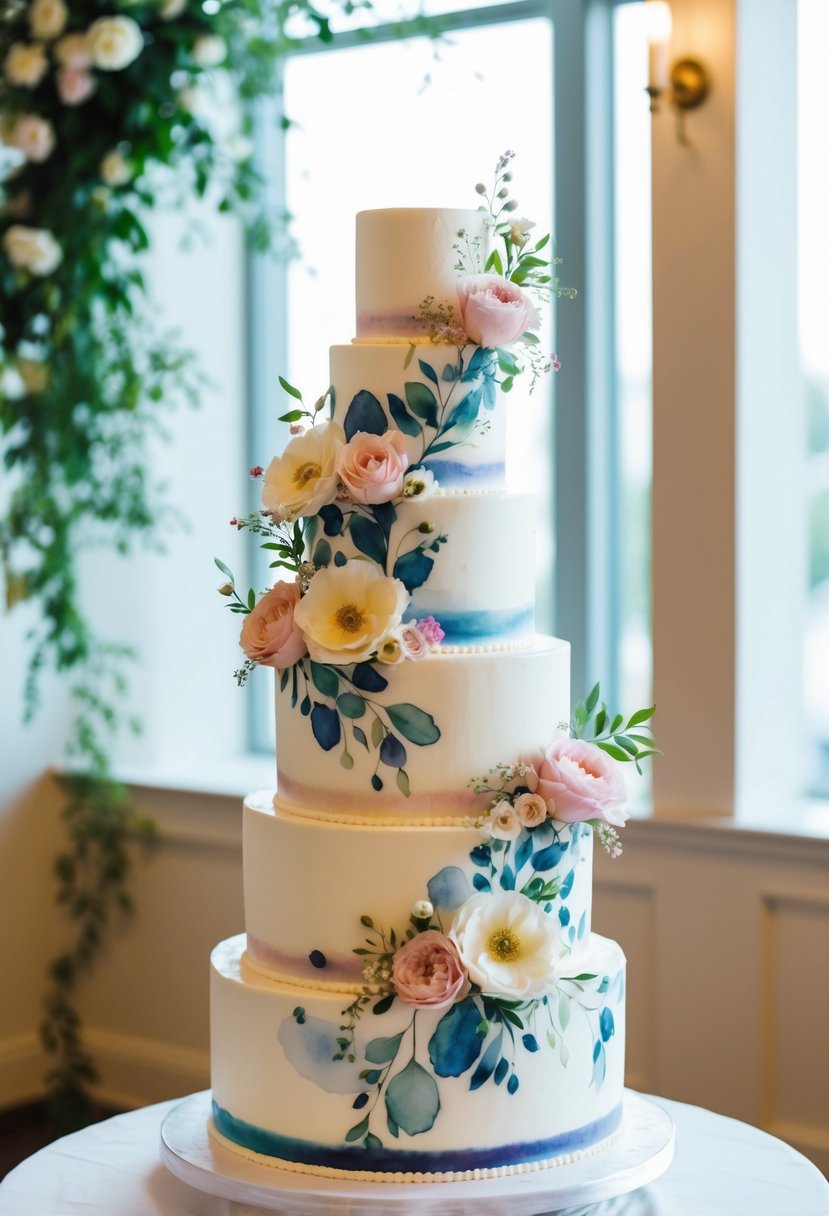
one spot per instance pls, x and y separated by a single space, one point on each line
505 945
350 618
304 473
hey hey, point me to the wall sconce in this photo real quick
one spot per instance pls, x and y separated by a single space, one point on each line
685 83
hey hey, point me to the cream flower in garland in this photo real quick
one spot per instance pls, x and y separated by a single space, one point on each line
114 42
507 943
348 610
25 64
304 477
47 18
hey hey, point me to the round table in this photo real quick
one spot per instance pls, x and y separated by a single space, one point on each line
721 1168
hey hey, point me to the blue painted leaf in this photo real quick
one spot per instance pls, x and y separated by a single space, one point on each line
489 393
507 879
548 859
476 364
597 1050
283 679
414 724
332 519
294 691
393 1128
449 888
413 569
357 1131
371 1076
599 1066
412 1099
481 856
606 1024
325 680
369 539
376 782
365 413
325 723
488 1062
351 705
462 418
382 1050
567 885
530 1042
422 402
564 916
582 926
501 1071
322 553
392 752
449 373
428 371
340 558
403 420
523 852
360 1101
372 1141
367 678
385 513
384 1004
512 1084
305 706
457 1041
480 883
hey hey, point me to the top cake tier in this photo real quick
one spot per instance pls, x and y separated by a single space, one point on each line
404 256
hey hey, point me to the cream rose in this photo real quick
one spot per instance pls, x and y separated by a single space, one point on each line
47 18
304 477
25 64
32 249
504 824
348 610
270 635
494 312
115 42
75 86
33 136
72 51
579 781
33 374
372 467
115 170
209 51
508 946
427 972
170 9
531 809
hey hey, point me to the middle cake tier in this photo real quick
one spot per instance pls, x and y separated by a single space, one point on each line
337 873
406 749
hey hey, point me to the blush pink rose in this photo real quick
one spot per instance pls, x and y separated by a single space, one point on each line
75 86
415 644
579 781
372 467
427 972
494 311
269 634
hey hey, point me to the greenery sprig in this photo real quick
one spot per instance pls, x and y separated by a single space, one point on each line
623 740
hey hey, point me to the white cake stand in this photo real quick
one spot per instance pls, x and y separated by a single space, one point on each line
640 1153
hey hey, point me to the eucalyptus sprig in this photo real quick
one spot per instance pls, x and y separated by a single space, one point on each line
621 739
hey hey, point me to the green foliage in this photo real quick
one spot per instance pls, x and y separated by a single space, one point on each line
623 740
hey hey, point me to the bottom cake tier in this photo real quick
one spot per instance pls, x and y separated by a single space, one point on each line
364 1085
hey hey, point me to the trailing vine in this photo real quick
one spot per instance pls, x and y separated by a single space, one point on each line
107 111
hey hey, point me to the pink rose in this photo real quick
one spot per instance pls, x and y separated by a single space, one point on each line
579 781
531 809
269 635
494 311
372 467
427 972
431 630
75 86
415 644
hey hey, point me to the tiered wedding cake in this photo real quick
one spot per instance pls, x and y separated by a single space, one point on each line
418 993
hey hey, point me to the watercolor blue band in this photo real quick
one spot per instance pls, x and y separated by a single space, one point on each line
383 1160
470 628
456 473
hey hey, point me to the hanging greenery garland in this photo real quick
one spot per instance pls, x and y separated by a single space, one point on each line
98 101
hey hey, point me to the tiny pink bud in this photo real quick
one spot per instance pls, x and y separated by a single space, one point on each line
234 523
256 471
556 363
296 428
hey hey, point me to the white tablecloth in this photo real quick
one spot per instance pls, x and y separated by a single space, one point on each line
721 1168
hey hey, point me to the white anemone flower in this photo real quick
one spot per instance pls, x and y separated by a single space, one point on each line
348 610
304 477
508 944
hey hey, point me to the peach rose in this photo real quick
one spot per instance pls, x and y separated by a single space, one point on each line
269 635
427 972
75 86
579 781
531 809
494 311
372 467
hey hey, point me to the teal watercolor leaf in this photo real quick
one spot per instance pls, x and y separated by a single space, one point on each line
414 724
457 1041
369 539
357 1131
325 680
365 413
607 1026
422 403
351 705
413 569
401 417
332 519
428 371
488 1063
548 859
383 1050
325 723
322 553
480 883
412 1099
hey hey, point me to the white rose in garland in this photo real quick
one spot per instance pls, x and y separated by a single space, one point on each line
170 9
33 249
348 610
47 18
115 169
115 42
508 945
209 51
304 477
25 64
33 136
